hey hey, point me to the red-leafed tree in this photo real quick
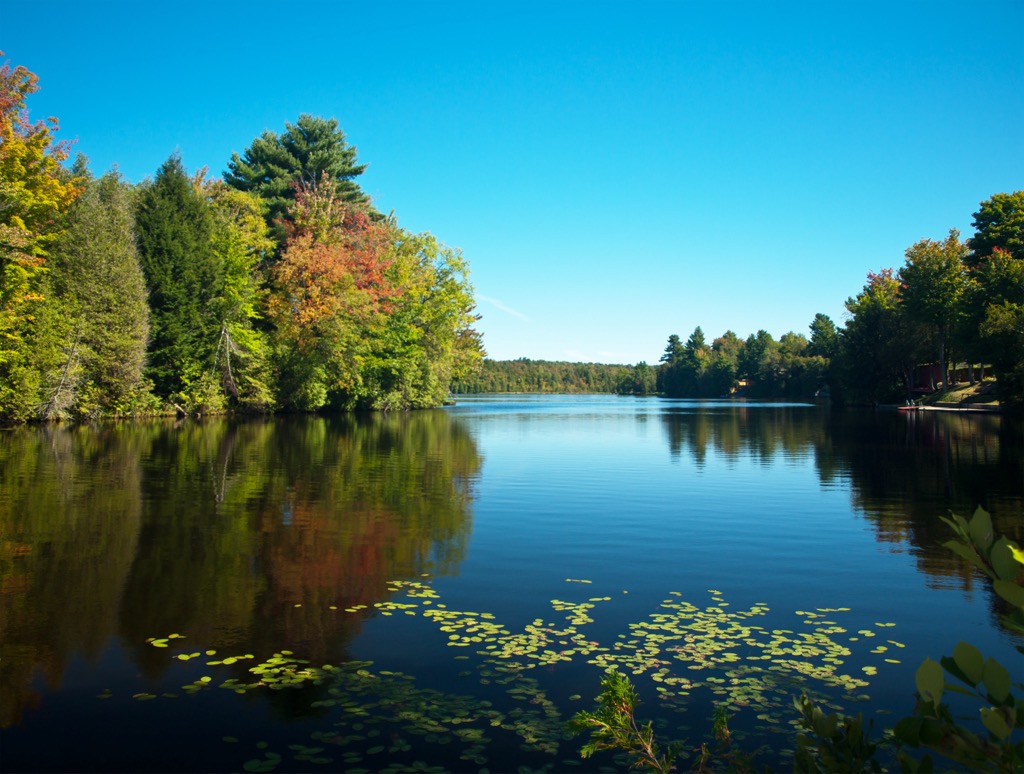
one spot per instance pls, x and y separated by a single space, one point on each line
331 294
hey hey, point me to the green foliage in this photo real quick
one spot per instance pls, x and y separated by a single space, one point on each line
424 344
34 191
185 279
998 558
240 241
833 742
641 379
273 165
824 340
875 359
613 726
932 283
541 376
841 743
999 224
100 293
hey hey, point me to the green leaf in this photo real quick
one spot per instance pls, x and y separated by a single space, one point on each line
930 681
995 723
1002 560
932 731
908 730
958 523
970 661
997 680
981 529
1018 555
1010 591
965 552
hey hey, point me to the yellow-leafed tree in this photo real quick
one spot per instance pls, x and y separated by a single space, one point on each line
34 190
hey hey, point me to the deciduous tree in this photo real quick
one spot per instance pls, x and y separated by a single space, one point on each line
330 288
880 343
932 282
240 240
33 192
999 223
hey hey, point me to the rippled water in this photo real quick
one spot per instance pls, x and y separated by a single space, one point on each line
253 537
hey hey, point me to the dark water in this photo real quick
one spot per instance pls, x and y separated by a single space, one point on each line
467 574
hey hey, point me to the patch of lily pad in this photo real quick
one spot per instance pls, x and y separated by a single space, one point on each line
381 720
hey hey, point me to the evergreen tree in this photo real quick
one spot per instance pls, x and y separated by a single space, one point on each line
273 166
824 337
668 373
99 287
185 278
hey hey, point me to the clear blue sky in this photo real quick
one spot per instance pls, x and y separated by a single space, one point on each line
615 172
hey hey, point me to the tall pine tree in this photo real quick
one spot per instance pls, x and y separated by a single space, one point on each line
275 166
185 278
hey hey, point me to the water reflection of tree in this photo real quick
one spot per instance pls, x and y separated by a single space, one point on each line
70 510
238 534
761 432
904 471
907 471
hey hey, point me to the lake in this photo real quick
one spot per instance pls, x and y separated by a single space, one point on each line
442 590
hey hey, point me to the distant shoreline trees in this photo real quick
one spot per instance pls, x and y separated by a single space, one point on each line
952 302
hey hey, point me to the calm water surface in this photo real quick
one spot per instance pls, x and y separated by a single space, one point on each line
445 588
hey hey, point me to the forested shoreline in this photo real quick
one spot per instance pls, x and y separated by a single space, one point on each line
953 312
541 376
281 288
278 287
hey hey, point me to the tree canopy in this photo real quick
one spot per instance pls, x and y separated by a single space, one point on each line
275 166
34 191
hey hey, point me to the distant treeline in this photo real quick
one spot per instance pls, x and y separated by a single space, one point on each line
954 311
525 375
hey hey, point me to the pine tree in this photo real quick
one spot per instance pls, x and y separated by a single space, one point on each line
185 277
275 166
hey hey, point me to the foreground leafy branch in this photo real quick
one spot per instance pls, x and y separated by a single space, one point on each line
613 726
836 742
998 745
840 742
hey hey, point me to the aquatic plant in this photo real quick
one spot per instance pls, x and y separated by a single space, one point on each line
613 726
685 654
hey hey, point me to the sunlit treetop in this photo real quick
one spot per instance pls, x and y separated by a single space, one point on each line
33 186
